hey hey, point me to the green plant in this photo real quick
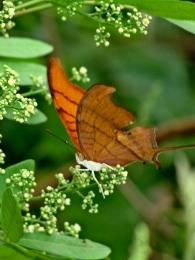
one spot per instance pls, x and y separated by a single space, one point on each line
22 80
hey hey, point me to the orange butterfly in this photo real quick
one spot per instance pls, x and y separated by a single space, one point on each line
95 125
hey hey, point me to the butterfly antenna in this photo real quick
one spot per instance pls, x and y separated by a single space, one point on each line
59 138
174 148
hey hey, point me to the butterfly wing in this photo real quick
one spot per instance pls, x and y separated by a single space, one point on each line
66 97
98 123
143 143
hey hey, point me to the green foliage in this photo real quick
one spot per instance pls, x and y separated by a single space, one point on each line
177 9
154 81
37 118
11 217
25 69
14 105
64 246
20 179
23 48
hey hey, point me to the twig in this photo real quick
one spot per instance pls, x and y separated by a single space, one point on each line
33 9
185 126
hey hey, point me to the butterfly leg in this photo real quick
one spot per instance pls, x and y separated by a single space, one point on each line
107 166
99 185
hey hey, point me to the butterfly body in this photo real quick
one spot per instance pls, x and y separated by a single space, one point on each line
90 165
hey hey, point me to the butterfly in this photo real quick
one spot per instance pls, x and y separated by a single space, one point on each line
96 125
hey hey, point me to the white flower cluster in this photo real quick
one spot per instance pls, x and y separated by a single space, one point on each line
80 75
22 184
2 158
126 21
89 203
54 200
72 230
102 36
31 224
69 9
81 179
21 107
40 87
6 15
111 178
106 179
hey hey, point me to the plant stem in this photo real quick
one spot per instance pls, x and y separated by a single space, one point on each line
33 9
90 2
29 3
30 93
80 194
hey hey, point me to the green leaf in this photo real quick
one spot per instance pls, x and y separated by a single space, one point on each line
25 69
64 246
38 118
11 217
164 8
184 24
18 47
7 252
27 164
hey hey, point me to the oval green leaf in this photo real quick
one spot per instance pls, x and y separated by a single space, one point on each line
184 24
11 218
18 47
25 69
9 171
38 118
64 246
176 9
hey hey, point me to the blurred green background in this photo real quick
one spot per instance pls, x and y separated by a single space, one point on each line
154 76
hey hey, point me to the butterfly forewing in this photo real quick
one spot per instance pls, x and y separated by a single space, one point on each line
66 97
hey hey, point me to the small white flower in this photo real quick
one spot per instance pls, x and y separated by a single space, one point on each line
11 81
30 108
11 12
120 30
83 70
106 192
41 229
77 228
59 201
26 195
67 201
125 173
145 21
8 180
106 43
31 228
